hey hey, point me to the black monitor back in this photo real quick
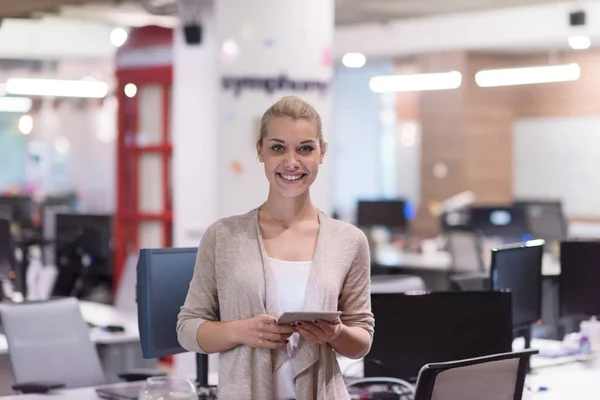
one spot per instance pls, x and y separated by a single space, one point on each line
388 213
518 268
163 279
579 279
545 219
508 222
7 251
413 330
76 235
20 208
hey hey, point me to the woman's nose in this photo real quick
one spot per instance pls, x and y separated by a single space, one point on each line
290 162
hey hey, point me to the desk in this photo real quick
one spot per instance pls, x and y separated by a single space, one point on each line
570 381
88 393
390 257
575 381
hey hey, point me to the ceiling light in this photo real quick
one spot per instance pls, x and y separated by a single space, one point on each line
130 90
25 124
15 104
354 60
416 82
528 75
579 42
56 88
118 37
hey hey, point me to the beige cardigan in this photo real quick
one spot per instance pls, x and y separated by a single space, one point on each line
232 281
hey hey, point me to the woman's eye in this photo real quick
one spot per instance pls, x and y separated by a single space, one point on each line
306 149
277 148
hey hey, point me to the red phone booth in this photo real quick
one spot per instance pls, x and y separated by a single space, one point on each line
144 76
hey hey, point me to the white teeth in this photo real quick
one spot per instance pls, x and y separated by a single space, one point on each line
291 177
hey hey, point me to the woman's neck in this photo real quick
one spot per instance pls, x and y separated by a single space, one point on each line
288 211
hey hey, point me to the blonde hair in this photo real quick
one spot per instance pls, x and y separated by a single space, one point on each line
292 107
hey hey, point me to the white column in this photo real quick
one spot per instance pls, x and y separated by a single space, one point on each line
269 48
194 133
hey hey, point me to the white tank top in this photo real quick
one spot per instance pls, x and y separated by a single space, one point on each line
291 278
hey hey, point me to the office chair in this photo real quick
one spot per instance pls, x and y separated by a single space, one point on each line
50 347
465 249
500 376
468 269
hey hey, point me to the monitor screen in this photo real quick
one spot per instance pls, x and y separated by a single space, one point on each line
6 249
579 279
508 222
518 268
413 330
389 213
163 279
545 219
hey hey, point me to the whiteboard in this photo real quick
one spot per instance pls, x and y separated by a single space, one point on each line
559 158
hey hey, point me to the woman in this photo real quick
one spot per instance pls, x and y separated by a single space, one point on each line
284 256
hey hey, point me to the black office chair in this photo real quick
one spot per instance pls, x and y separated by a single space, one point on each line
500 376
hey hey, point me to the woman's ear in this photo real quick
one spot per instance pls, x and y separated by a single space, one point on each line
323 151
258 149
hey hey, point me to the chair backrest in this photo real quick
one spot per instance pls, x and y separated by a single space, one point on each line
50 341
465 249
500 376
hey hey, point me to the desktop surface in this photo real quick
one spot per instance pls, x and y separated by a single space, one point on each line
413 330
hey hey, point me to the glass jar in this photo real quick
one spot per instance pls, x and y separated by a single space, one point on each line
168 388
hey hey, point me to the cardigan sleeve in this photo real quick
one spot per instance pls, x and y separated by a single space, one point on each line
201 303
355 298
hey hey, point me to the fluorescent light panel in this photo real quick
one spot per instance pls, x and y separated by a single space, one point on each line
528 75
15 104
56 88
416 82
354 60
580 42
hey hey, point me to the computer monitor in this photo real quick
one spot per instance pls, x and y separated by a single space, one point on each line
388 213
579 279
545 219
506 222
20 209
518 268
413 330
83 253
163 279
7 252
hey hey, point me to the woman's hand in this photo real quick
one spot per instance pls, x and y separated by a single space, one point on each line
319 331
264 332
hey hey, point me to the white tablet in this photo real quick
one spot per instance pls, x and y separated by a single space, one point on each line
294 316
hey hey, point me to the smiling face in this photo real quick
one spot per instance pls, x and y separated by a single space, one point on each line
291 151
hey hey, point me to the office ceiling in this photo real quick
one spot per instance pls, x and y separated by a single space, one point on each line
363 11
347 11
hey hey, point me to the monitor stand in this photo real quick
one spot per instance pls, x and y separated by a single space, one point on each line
525 333
202 369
